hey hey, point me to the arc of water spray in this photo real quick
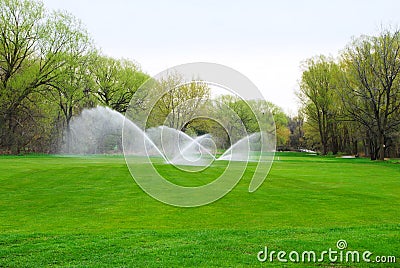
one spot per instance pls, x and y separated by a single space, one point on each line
189 145
145 137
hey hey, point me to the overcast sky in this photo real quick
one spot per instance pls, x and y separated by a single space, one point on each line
264 40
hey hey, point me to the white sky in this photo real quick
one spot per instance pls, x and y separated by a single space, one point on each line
264 40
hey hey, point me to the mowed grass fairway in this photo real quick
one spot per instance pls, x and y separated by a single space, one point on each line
88 211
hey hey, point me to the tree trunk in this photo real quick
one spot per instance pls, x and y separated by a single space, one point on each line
381 147
68 137
372 148
10 137
355 146
324 142
325 148
335 145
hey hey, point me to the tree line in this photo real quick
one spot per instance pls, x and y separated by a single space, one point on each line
189 106
352 104
50 70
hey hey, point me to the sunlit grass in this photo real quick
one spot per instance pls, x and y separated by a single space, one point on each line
88 211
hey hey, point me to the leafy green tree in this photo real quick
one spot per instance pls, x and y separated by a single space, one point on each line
20 32
318 93
263 109
237 117
178 105
254 115
72 83
32 49
116 81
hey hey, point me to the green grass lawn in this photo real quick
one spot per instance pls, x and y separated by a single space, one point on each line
88 211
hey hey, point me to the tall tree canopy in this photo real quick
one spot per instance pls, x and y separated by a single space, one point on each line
178 105
372 90
116 81
318 93
33 51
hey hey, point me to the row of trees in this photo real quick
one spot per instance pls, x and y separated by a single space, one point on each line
49 71
352 104
190 107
